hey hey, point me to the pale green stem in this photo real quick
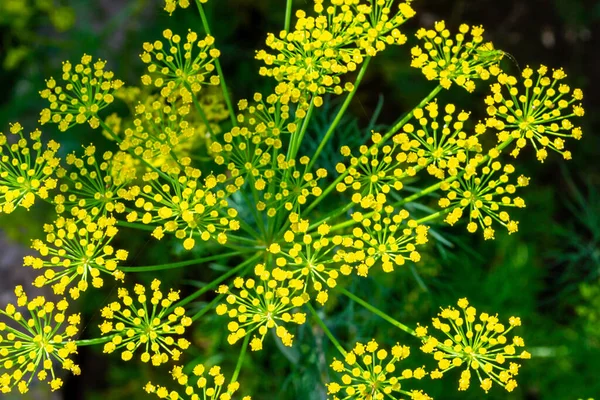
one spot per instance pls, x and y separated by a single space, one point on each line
326 330
180 264
376 311
201 112
340 113
92 342
207 308
296 139
288 15
241 357
218 66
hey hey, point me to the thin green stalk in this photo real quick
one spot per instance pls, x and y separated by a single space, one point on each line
296 139
179 264
217 281
218 66
326 330
340 113
240 361
133 225
207 307
201 112
374 310
288 15
92 342
433 216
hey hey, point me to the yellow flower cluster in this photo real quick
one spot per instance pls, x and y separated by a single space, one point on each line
483 195
32 342
197 385
378 169
180 70
88 89
313 260
460 59
186 207
477 343
149 326
369 372
263 305
171 5
26 169
444 146
313 57
75 253
94 187
387 237
540 112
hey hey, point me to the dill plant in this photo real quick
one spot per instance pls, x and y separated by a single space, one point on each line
302 231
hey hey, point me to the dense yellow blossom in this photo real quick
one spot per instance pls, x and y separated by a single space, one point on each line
369 372
481 195
32 342
202 384
269 302
479 344
150 325
88 89
460 59
94 186
27 170
539 110
179 69
75 253
388 238
188 207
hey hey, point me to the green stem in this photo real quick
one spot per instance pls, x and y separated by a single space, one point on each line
288 15
240 361
207 307
133 225
374 310
92 342
218 66
179 264
296 140
326 330
340 113
201 112
217 281
433 216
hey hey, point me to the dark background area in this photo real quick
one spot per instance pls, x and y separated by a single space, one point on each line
547 273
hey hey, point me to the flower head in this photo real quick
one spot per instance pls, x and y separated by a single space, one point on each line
88 89
26 169
152 327
386 237
171 5
33 342
94 186
539 111
180 69
482 195
481 346
75 253
186 206
460 59
263 305
369 372
203 383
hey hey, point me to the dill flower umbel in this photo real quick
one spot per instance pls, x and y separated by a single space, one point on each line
186 206
535 110
388 237
151 327
263 305
369 372
178 69
477 343
88 89
455 59
482 196
75 253
33 342
94 186
203 383
26 169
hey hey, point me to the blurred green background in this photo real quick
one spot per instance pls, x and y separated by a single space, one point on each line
547 273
